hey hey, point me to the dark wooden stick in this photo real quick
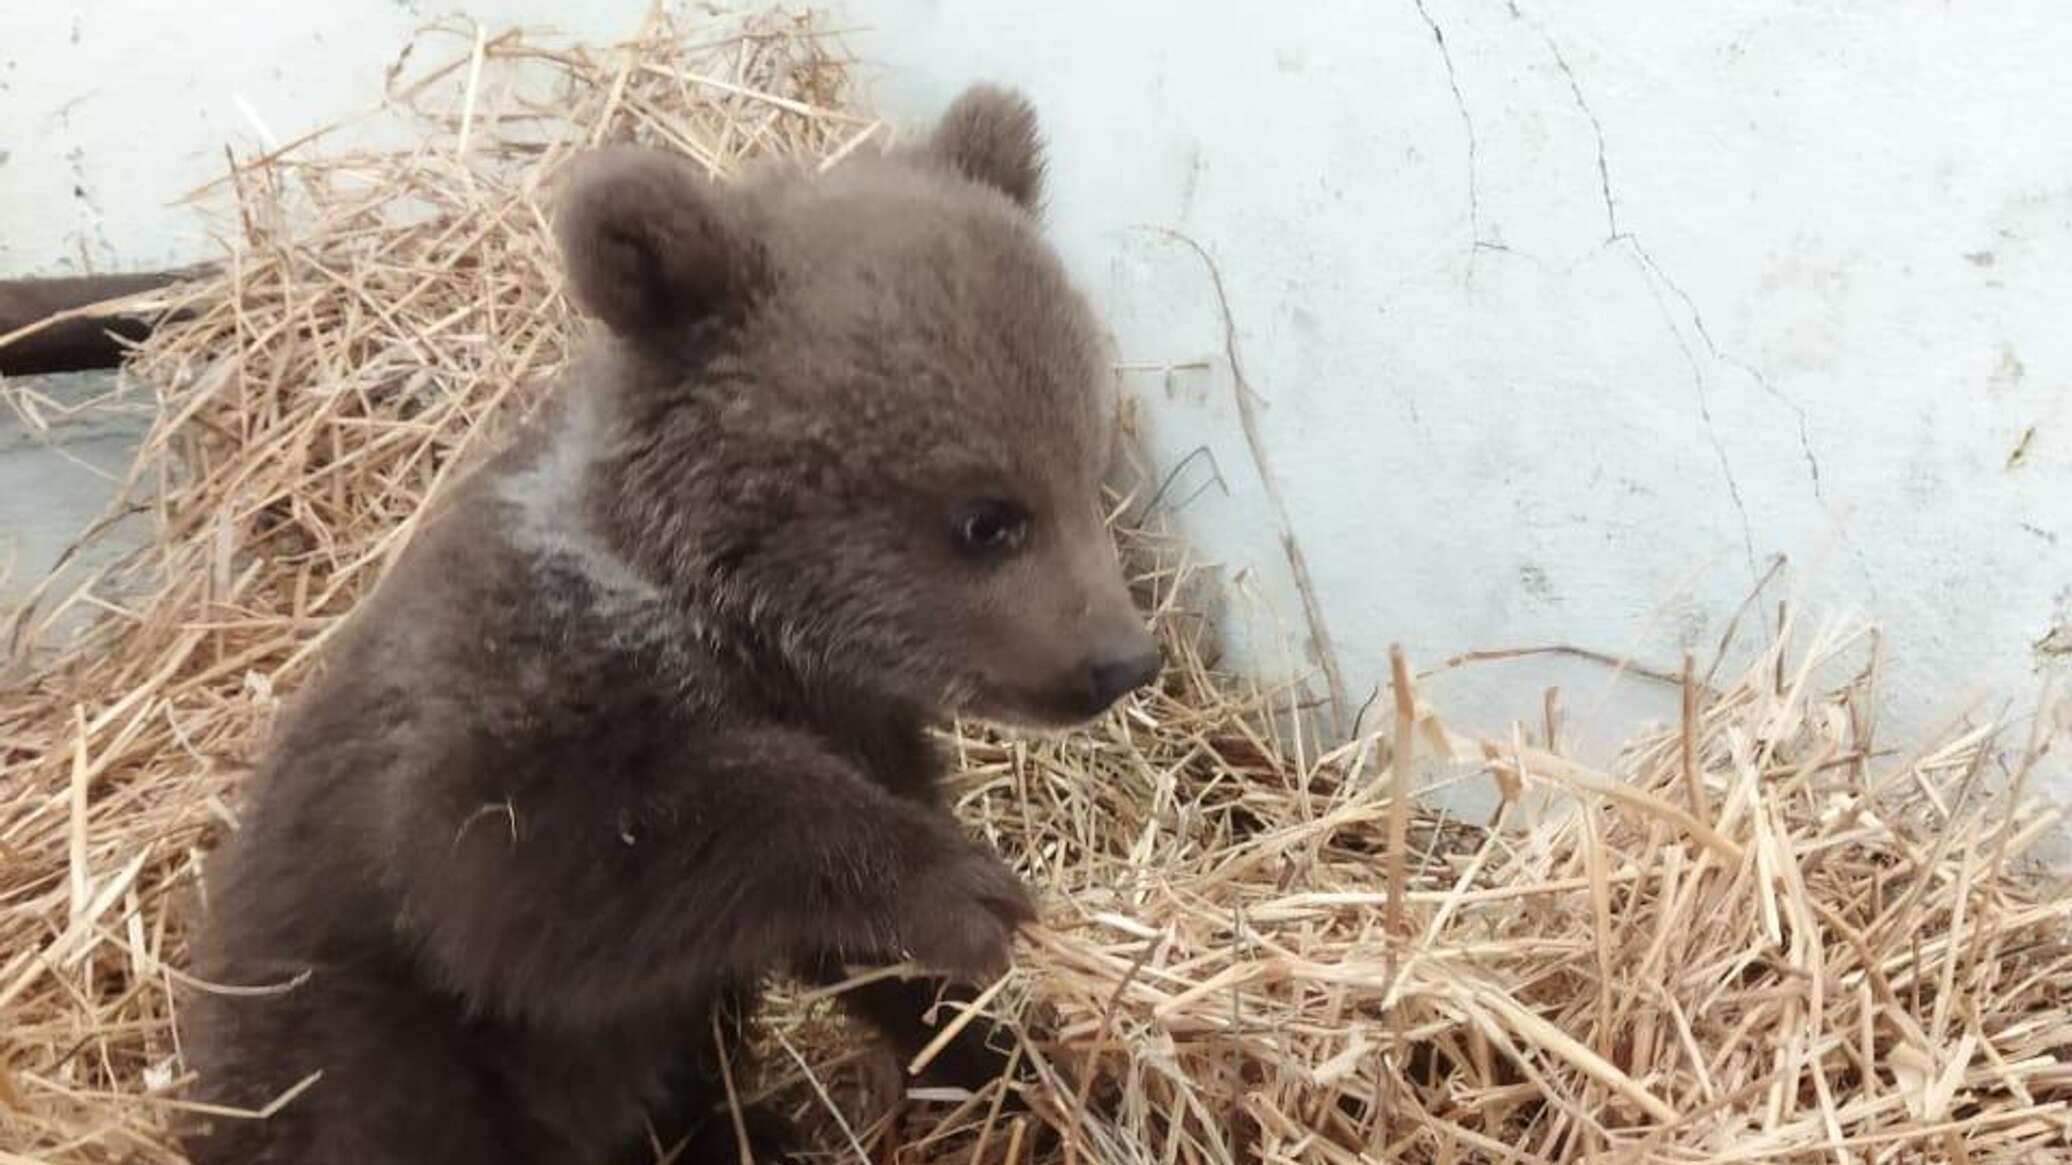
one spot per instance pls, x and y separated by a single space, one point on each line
80 340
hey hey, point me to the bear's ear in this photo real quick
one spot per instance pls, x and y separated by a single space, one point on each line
989 135
649 243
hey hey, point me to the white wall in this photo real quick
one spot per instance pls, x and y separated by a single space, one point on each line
112 110
1560 329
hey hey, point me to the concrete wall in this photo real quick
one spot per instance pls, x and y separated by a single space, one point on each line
112 110
1561 320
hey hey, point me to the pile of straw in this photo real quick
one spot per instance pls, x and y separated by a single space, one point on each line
1760 935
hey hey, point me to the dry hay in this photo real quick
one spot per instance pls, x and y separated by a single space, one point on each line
1758 936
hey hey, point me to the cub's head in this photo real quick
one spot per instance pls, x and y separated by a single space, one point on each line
859 415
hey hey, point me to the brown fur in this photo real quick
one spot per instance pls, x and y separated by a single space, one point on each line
639 719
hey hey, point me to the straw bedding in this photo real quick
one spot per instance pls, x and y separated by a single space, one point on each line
1761 935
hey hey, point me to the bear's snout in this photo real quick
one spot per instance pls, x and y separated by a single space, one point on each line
1118 666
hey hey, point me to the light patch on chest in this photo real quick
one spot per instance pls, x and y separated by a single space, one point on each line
584 588
544 506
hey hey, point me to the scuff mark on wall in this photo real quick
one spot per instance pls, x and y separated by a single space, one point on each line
1533 580
2009 372
2052 650
1196 165
2020 452
2055 643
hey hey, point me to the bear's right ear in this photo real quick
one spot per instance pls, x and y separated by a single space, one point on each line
989 135
648 243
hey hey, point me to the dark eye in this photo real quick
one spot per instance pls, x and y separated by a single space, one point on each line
992 527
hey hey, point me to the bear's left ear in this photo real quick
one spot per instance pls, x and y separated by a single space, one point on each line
650 245
989 135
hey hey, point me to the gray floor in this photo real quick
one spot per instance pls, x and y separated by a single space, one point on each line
56 483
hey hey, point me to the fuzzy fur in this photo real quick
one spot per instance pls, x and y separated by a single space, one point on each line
640 717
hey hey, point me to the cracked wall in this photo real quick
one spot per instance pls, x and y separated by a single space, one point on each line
1565 322
1561 322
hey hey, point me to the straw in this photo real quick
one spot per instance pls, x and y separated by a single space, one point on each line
1757 934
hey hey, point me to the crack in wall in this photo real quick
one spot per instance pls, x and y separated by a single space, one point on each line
1460 102
1575 88
1698 386
1750 370
1653 272
1762 381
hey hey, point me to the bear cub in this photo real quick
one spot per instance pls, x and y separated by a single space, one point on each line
640 718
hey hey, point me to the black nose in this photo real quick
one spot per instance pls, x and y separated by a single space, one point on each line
1121 668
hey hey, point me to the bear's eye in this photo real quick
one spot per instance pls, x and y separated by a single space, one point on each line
993 527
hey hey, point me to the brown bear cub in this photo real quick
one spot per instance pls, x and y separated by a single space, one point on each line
640 718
